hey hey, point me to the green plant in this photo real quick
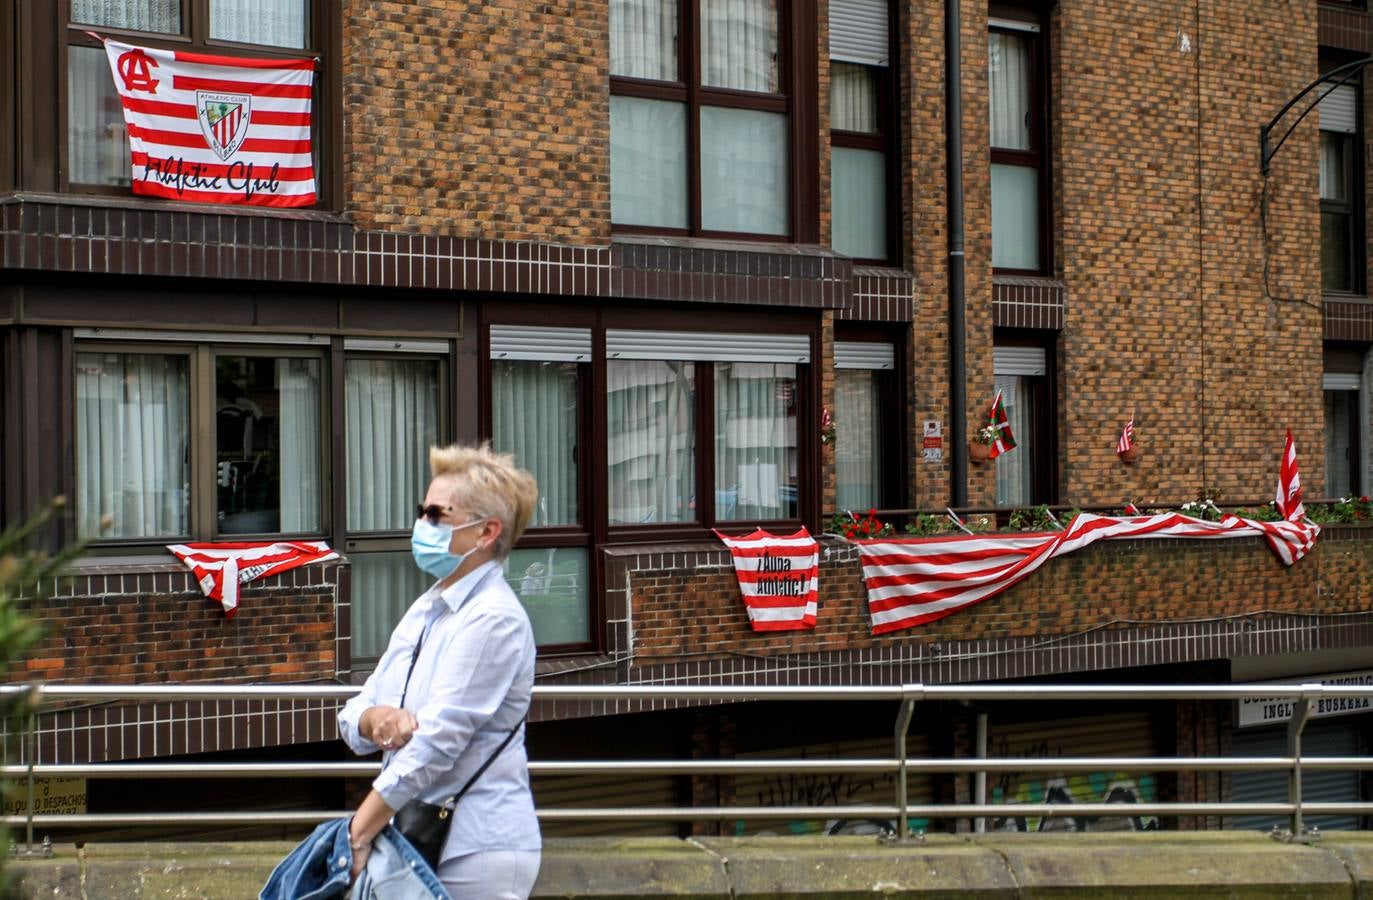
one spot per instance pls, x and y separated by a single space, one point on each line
1067 516
853 526
925 523
1036 518
1351 509
1265 513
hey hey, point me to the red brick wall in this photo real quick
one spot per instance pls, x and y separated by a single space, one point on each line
478 118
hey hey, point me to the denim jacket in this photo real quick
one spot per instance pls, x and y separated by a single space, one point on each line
319 868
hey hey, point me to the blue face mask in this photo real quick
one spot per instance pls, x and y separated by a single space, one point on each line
429 543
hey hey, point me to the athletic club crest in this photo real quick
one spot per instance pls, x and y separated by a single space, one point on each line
223 120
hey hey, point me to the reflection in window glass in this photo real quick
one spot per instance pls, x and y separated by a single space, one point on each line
1341 444
534 417
267 427
97 141
648 178
132 445
755 441
651 442
275 23
743 171
383 587
552 585
857 439
859 198
1015 217
390 420
161 16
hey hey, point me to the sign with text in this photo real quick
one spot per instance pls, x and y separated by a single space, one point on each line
57 796
1277 710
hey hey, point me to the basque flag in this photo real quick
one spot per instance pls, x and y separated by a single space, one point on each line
996 418
217 129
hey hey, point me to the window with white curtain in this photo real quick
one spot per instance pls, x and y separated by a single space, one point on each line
861 85
133 445
1341 188
651 440
756 453
1016 86
1024 475
1015 470
391 417
256 466
699 146
97 151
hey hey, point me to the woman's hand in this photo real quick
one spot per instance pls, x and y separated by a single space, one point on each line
361 854
389 727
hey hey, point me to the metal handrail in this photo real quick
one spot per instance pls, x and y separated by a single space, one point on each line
1304 698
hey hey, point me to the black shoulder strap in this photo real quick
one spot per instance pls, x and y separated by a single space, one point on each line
486 765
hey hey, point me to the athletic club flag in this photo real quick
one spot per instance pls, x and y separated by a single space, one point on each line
216 129
996 419
222 567
1288 500
1127 436
778 576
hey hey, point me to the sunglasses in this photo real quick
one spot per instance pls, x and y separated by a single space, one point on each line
433 512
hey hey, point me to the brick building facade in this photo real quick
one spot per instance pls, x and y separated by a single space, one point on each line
644 246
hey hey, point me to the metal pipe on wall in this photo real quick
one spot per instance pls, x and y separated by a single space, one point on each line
953 131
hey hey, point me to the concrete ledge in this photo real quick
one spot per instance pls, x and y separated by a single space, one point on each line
1116 866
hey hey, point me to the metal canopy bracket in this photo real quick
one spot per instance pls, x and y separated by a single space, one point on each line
1334 78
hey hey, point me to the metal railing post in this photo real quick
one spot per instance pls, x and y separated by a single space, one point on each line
1301 711
980 776
33 700
903 722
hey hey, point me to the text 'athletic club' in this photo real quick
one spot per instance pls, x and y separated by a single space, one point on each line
217 129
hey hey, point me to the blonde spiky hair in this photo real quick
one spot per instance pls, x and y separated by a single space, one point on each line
490 485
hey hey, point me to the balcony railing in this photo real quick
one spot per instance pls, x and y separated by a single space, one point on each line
1303 697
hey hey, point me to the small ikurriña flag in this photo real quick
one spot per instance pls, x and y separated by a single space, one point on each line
216 129
1288 499
996 418
779 578
1127 436
222 567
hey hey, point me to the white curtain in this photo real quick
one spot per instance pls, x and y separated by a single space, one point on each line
97 141
743 170
648 176
853 97
1334 170
1013 471
857 442
534 416
651 441
383 587
132 445
163 16
643 39
390 420
1009 56
755 441
299 424
739 44
277 23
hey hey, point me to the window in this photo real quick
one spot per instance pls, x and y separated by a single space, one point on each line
1341 183
1018 140
391 417
198 441
1024 475
537 378
861 129
701 119
1344 422
866 418
96 150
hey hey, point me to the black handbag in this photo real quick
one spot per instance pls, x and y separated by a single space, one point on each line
425 825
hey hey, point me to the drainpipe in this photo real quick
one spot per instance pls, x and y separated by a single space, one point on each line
953 130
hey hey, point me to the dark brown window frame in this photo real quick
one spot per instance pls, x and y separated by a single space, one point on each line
1038 156
593 491
44 158
797 76
885 140
1043 446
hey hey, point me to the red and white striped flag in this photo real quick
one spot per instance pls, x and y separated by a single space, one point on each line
1288 500
918 580
216 129
1126 436
222 567
779 578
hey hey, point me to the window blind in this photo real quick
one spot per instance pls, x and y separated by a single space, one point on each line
858 31
863 355
1339 109
1018 361
1340 381
539 343
708 346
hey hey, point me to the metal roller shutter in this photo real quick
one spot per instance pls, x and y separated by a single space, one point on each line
1123 734
1339 738
837 789
586 791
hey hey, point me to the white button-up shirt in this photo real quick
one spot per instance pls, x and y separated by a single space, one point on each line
470 687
